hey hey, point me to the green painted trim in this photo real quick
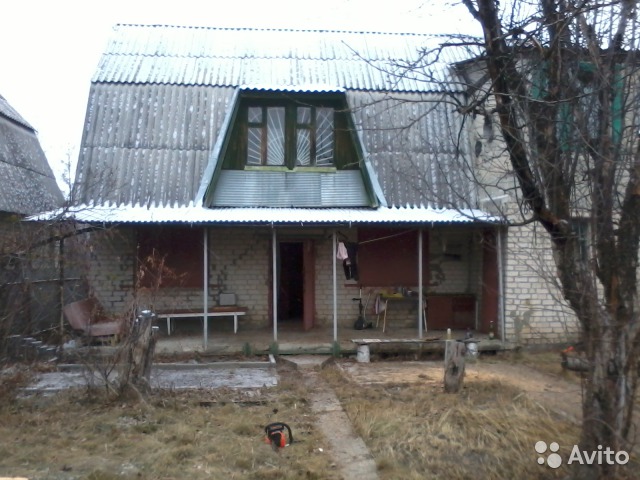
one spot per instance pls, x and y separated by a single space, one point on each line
278 168
376 195
617 107
217 157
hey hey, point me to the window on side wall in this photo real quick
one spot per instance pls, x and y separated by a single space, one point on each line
582 230
579 118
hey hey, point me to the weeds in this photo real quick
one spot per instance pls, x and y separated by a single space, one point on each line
176 434
413 430
417 431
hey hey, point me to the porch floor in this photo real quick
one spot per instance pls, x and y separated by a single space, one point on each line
188 338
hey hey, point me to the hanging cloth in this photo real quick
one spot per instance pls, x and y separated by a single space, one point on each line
350 264
342 252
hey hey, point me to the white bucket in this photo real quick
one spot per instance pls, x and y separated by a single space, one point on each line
472 350
363 354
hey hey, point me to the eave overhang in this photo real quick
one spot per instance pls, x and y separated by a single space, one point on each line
194 214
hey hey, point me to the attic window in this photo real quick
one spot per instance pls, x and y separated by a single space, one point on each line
265 132
290 134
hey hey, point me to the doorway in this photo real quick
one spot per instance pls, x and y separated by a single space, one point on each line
296 283
291 284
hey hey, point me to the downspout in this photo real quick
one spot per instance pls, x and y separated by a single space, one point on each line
335 288
205 287
420 296
275 284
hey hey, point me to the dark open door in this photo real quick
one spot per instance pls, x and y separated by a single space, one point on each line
296 283
291 282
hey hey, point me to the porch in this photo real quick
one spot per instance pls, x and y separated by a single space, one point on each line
292 340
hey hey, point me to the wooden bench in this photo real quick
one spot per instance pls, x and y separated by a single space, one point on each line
364 343
219 311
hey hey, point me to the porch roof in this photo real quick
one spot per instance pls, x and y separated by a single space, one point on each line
262 215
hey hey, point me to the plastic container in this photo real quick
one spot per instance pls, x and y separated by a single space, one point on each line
362 353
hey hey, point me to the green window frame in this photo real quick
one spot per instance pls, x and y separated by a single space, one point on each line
289 134
566 129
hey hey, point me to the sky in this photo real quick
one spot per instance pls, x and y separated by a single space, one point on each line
49 49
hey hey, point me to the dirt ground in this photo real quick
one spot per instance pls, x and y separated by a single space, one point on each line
555 392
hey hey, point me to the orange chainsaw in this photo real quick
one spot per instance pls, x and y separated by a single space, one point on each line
277 436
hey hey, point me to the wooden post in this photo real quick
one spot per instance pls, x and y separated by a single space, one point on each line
139 348
453 365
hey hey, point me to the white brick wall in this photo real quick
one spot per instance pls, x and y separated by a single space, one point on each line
111 268
239 260
534 309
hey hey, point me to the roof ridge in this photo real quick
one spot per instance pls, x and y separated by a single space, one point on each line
282 29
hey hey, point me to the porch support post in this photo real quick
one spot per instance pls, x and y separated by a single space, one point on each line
420 299
205 287
274 251
335 287
500 286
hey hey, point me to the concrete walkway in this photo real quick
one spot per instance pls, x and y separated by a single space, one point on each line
347 449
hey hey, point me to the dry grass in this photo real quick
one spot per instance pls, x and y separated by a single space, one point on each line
175 435
13 379
414 431
417 431
547 362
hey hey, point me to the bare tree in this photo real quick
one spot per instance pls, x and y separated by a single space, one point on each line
560 79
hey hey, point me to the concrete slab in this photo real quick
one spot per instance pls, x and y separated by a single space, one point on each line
308 361
185 376
348 450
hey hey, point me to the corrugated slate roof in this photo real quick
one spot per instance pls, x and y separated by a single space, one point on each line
418 147
242 56
148 143
161 95
27 183
11 113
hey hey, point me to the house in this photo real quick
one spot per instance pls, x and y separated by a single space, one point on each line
27 183
27 187
296 170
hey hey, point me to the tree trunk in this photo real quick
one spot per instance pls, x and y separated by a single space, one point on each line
453 365
135 372
611 359
609 394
